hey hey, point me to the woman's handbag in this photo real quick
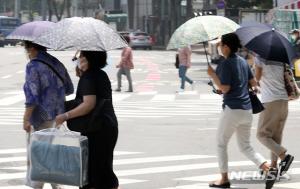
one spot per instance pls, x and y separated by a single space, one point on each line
290 83
257 106
91 122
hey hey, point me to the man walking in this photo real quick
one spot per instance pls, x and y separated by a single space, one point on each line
125 66
295 34
270 76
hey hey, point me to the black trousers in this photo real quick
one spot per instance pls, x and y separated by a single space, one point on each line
101 148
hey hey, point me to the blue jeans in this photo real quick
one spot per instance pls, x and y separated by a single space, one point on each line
182 75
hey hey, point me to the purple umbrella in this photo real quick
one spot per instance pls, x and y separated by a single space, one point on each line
31 30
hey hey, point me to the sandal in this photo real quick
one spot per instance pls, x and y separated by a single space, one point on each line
224 185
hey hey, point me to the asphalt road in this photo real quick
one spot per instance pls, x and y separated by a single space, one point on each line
166 140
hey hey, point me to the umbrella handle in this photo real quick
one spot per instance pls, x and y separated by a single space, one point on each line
77 52
208 63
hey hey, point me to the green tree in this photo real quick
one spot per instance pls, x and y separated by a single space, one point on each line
68 7
59 7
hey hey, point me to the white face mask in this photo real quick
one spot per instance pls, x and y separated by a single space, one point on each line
75 62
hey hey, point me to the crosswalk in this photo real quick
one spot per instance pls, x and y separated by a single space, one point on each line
135 168
131 105
17 97
141 169
13 161
190 104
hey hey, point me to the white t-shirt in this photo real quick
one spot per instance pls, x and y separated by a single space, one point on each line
272 86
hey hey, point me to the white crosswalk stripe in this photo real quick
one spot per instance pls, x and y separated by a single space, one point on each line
167 106
141 164
151 105
12 99
17 97
20 171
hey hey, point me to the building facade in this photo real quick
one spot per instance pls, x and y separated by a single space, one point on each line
287 4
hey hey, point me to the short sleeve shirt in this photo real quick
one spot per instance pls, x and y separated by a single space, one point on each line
94 83
236 73
272 85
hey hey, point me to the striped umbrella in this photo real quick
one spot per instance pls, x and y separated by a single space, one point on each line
201 29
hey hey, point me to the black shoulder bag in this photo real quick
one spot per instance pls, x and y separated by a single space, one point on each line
257 106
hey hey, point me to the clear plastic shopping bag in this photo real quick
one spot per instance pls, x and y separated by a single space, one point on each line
59 156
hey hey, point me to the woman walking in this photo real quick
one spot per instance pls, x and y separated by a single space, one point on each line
93 88
184 55
47 83
233 77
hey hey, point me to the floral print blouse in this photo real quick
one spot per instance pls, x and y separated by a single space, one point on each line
44 90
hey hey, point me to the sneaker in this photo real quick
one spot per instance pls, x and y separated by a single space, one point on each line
118 90
129 91
285 164
271 177
180 90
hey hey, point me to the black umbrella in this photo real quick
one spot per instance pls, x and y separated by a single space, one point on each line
268 43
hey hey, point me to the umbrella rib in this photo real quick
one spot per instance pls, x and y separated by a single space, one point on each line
99 39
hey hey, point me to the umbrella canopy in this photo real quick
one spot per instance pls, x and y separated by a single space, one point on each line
81 34
31 30
268 43
201 29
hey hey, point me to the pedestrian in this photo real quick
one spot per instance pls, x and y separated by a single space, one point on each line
233 77
184 55
125 66
270 75
295 35
47 82
93 87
